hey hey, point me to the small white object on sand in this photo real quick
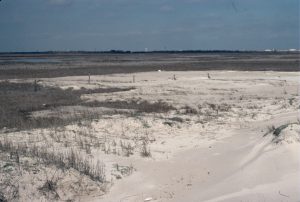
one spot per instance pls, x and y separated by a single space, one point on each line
148 199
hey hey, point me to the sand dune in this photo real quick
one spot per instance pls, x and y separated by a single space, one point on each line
163 139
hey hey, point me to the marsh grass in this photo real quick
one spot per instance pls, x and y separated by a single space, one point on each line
19 100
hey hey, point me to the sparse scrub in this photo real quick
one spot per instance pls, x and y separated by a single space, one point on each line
2 198
65 160
177 119
219 107
88 148
127 149
50 187
291 101
145 149
224 107
145 124
270 129
124 170
169 123
189 110
9 190
278 130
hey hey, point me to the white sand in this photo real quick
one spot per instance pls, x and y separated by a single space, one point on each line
209 155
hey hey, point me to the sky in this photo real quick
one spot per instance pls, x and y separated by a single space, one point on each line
136 25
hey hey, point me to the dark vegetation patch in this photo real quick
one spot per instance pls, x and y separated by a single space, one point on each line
278 130
101 90
139 106
18 100
176 119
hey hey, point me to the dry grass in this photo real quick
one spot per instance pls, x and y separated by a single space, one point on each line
145 150
62 160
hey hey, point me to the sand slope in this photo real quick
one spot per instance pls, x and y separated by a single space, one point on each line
243 167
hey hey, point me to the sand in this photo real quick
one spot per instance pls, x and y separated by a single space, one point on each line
221 149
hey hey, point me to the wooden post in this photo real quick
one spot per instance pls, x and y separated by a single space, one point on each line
35 85
89 78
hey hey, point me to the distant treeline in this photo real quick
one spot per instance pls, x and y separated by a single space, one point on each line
127 52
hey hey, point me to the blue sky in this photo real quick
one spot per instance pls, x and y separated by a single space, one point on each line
30 25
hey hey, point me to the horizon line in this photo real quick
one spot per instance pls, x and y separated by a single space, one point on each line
146 51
